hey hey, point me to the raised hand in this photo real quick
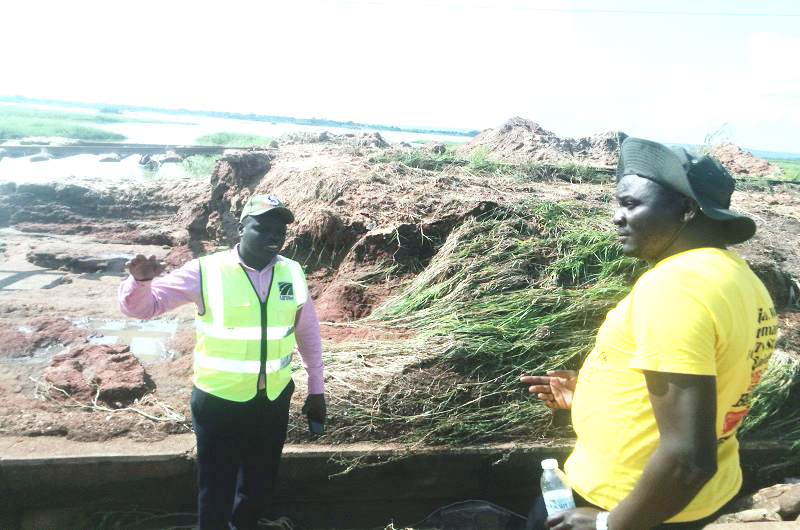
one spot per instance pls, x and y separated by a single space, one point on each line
143 269
555 389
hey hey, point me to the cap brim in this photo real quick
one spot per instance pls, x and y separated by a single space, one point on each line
284 213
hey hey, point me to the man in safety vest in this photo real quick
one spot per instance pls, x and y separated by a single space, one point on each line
253 307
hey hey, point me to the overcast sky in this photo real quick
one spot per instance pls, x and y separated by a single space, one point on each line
441 63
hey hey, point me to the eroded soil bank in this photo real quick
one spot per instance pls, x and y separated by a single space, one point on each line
370 218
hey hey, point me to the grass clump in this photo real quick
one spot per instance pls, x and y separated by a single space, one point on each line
479 162
530 170
479 165
419 159
232 139
757 184
199 165
446 143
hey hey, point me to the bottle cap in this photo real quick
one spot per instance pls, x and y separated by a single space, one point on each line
550 463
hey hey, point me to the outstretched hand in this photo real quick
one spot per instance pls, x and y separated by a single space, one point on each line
143 269
555 389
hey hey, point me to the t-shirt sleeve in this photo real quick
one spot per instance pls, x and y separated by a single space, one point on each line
672 324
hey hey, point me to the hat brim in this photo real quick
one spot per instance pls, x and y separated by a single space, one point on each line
738 228
284 213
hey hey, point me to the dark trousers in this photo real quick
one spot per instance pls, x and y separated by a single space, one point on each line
239 448
538 515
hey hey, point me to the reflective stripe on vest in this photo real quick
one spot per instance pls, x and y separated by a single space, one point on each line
241 367
229 334
242 333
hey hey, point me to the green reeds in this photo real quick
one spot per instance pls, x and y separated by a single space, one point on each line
523 293
519 291
233 139
507 295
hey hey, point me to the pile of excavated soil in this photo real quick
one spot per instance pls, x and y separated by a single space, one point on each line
742 163
521 140
363 229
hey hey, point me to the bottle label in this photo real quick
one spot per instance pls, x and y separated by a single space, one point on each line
558 500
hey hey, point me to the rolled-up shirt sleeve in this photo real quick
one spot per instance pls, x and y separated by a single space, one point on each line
152 298
309 345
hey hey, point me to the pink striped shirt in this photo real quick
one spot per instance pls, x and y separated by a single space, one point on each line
152 298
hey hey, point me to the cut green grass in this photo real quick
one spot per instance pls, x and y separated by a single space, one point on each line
514 293
231 139
506 295
419 159
480 165
774 414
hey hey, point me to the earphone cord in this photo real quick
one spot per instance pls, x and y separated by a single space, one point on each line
670 242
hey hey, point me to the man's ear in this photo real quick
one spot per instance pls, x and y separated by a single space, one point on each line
690 210
240 228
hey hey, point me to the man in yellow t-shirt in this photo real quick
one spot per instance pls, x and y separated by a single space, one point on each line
658 401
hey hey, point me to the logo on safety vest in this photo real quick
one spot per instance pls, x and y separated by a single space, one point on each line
286 290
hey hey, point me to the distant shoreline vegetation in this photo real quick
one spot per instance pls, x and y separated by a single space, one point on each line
322 122
18 122
791 168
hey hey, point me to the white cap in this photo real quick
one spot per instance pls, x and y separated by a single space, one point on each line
550 463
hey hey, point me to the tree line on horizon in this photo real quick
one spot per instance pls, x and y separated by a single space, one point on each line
119 107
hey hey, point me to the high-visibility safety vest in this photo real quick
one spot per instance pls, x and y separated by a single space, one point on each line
238 336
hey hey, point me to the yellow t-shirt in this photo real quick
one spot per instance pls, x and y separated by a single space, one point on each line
700 312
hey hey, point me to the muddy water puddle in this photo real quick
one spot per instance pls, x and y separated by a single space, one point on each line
146 339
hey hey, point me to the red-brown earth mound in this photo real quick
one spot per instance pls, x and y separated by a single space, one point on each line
364 227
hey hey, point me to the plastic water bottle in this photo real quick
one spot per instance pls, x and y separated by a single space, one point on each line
555 489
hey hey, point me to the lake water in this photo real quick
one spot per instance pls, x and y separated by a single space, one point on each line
184 133
194 127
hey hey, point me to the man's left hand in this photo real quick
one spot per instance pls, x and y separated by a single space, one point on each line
314 408
574 519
